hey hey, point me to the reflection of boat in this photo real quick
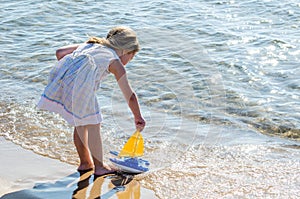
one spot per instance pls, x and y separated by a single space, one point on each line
129 164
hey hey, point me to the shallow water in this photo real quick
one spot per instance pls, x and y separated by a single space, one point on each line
217 81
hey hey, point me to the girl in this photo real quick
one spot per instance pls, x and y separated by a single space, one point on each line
72 85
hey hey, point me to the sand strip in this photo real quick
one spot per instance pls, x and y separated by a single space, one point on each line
21 169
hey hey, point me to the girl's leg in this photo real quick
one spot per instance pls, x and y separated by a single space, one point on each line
95 146
81 144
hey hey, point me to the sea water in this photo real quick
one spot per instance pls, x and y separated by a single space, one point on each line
218 84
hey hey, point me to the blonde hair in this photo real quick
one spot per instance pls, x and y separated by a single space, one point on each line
119 38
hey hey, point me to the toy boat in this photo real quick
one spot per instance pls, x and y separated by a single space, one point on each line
130 165
128 160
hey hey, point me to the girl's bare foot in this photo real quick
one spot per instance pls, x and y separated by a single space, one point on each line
105 169
85 167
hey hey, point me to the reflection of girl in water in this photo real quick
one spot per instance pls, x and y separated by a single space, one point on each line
124 187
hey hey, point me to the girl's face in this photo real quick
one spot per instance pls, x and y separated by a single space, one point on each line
126 58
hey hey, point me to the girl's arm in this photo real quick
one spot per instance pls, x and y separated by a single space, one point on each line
63 51
120 74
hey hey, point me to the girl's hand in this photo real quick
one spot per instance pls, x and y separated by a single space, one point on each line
139 123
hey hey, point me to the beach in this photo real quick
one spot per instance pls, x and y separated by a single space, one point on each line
217 82
24 174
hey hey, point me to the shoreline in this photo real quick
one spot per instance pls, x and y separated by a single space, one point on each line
25 174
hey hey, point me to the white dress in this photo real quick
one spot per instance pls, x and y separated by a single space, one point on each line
73 82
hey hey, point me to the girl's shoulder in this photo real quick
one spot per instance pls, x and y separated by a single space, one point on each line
105 51
98 51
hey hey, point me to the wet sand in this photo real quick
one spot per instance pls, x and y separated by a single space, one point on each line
24 174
